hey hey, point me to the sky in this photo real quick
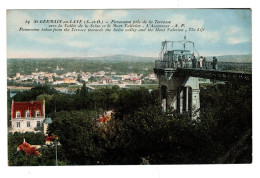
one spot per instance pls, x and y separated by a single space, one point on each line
227 32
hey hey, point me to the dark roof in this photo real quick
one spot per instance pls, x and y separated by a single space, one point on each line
48 121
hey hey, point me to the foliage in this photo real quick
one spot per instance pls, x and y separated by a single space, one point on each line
9 103
18 158
140 133
46 155
227 117
34 93
76 135
17 138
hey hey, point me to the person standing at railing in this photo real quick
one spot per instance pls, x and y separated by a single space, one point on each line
189 62
214 63
204 63
194 62
183 60
179 60
200 61
175 61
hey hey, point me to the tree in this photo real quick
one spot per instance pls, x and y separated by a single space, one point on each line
76 135
9 103
141 133
83 91
227 119
79 78
34 93
18 158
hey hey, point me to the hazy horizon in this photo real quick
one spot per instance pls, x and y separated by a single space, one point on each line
116 55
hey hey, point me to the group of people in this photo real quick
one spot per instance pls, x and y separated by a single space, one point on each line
201 63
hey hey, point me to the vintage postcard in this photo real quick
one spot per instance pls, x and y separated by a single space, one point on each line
129 87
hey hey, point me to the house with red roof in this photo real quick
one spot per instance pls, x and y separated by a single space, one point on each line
105 80
28 149
27 116
137 81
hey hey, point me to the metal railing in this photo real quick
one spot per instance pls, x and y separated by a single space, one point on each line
208 65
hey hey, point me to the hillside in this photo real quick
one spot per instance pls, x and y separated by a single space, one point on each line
123 58
232 58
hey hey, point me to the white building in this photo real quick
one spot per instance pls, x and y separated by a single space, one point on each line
27 116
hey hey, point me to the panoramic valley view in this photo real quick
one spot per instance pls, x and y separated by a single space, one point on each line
94 109
144 93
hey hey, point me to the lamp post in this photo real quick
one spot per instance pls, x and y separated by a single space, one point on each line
56 153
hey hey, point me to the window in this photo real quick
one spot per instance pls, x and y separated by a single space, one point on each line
38 123
37 113
27 113
17 124
28 124
18 114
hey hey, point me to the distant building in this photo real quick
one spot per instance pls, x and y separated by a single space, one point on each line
152 76
133 75
50 79
49 140
85 78
27 116
57 82
116 79
57 68
136 81
17 75
69 80
105 80
101 73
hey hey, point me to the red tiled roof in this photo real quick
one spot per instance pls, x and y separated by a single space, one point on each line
104 119
32 106
50 138
105 78
27 149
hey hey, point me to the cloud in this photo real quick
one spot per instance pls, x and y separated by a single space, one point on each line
237 40
232 30
60 40
16 19
209 36
236 35
195 23
178 18
43 40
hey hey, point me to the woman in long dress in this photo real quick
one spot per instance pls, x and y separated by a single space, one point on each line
201 60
